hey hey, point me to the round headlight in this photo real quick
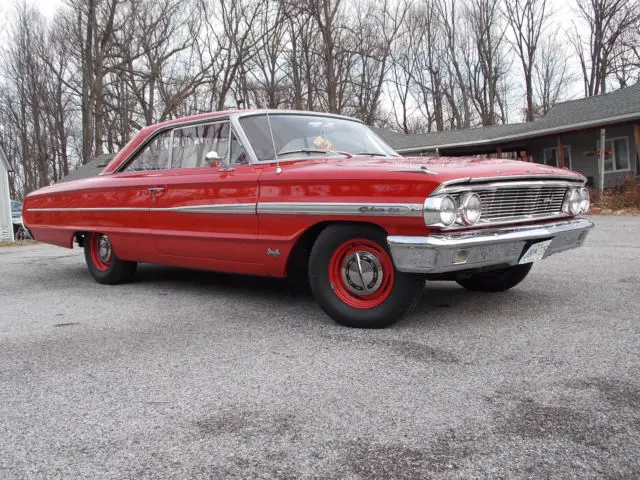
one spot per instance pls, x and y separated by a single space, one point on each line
471 208
448 211
585 200
575 201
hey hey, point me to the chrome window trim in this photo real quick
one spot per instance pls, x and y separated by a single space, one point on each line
335 208
252 113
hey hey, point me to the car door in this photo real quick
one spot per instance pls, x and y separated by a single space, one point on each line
122 201
204 205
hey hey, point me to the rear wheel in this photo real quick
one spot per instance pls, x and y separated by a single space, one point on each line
496 281
104 266
352 277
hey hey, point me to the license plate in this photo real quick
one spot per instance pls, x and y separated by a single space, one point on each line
535 252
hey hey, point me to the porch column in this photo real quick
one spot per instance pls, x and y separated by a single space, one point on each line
560 152
603 134
499 152
636 136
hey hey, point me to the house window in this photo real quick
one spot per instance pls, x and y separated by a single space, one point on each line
551 158
616 154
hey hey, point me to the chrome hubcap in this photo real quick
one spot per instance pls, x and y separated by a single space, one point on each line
104 248
362 273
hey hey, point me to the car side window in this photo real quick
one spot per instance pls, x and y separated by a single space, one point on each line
238 155
200 145
191 147
155 156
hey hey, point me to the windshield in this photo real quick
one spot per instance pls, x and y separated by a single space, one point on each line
299 136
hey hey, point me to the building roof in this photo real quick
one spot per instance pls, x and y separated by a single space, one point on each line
89 169
619 106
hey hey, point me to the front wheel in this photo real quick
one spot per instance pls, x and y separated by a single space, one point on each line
104 266
352 277
496 281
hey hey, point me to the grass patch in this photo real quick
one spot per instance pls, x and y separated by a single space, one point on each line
20 243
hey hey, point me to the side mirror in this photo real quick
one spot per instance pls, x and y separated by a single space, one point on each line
213 158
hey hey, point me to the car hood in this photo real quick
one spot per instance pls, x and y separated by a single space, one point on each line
440 169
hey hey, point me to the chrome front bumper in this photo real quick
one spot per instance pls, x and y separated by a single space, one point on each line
449 252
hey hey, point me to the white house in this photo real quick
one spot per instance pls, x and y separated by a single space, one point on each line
6 227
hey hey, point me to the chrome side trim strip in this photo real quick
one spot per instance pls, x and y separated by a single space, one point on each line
88 209
281 208
233 208
329 208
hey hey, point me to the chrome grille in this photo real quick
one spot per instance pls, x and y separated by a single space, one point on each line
517 201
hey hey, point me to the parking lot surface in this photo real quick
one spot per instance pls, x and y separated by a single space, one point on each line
188 374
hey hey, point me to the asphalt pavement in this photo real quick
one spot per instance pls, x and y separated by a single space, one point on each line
188 374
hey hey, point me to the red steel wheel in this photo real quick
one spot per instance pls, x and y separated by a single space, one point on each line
361 273
103 263
101 251
352 277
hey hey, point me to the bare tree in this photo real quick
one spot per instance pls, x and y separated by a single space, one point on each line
607 22
458 48
488 31
325 14
527 19
377 27
551 76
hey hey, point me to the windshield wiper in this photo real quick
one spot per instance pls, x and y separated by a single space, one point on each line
371 154
314 150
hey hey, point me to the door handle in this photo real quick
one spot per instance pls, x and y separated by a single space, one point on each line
154 192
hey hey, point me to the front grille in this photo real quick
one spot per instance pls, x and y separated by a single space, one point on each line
518 201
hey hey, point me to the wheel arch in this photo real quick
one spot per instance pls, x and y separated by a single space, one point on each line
79 237
298 259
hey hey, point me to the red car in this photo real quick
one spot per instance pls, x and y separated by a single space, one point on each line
283 193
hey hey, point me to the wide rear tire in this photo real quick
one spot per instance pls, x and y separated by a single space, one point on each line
496 281
353 278
103 264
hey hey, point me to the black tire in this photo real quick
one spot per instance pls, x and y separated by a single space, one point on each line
111 272
496 281
396 293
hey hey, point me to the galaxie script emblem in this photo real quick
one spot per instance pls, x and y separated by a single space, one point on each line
372 209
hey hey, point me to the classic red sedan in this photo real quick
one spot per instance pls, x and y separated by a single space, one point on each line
283 193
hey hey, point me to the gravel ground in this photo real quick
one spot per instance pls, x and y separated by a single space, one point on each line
187 374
